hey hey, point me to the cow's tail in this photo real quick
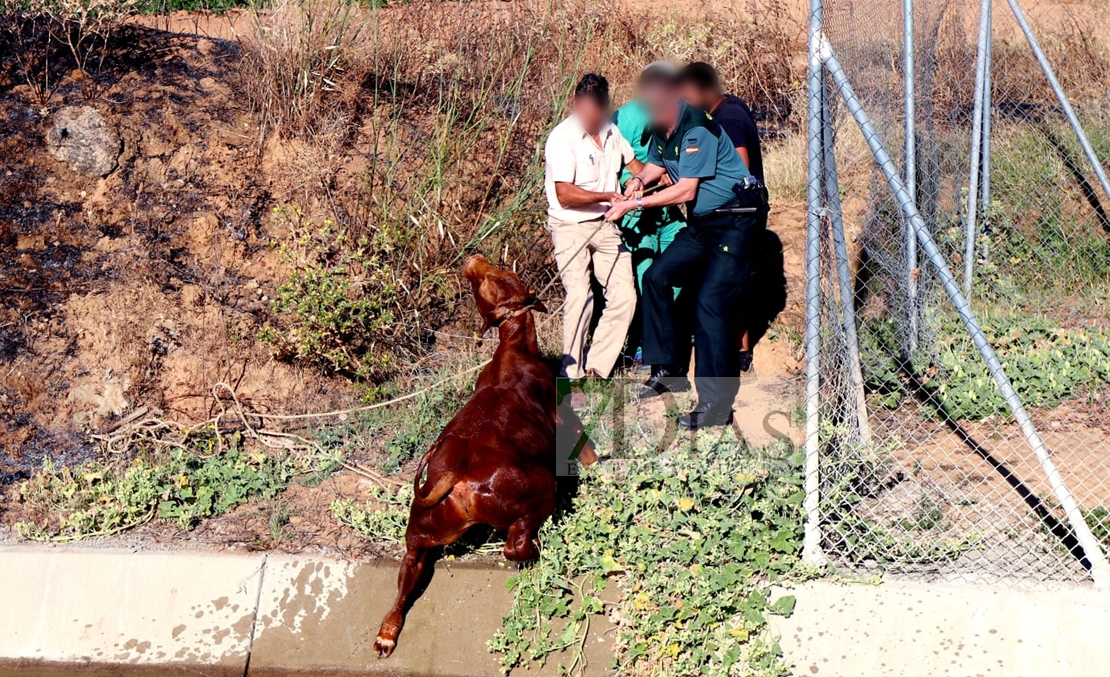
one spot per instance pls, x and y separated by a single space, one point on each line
426 496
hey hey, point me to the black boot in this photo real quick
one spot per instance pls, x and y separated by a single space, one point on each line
745 361
664 380
707 415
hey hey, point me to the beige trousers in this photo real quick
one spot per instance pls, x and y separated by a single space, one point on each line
580 247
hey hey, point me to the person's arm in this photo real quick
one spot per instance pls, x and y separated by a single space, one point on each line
570 195
744 156
628 155
681 192
648 174
697 160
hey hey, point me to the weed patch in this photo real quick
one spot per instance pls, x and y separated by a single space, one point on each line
1047 364
906 543
338 309
183 486
692 544
383 517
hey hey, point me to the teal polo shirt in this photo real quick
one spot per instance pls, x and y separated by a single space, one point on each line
700 149
634 123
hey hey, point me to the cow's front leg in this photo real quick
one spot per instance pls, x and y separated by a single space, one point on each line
412 569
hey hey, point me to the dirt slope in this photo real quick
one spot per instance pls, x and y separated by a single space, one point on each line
147 286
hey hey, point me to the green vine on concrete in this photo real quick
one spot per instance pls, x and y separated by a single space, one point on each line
680 552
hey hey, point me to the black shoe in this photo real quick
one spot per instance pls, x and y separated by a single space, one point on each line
706 416
662 381
745 361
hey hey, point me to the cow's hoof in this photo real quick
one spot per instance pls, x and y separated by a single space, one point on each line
384 646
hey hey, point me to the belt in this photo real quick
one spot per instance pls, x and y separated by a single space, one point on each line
723 217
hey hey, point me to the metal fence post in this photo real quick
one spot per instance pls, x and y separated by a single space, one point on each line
988 84
911 179
1069 112
811 548
1100 568
843 271
976 145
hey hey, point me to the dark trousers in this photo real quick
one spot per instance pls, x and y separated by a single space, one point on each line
711 266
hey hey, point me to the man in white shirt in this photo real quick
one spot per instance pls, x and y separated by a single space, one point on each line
584 156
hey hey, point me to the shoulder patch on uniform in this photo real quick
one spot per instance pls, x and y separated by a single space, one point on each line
692 150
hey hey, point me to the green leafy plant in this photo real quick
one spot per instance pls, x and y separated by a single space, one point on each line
382 518
1047 364
1098 519
688 546
339 307
914 541
183 486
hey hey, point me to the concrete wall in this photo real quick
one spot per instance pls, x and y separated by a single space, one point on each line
213 614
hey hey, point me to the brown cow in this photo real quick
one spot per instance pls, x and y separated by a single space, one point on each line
495 461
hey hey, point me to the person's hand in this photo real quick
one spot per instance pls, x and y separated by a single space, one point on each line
634 188
665 180
613 198
619 209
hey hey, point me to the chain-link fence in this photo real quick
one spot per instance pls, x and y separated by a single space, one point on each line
950 439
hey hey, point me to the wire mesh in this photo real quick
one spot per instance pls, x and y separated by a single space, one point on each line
937 480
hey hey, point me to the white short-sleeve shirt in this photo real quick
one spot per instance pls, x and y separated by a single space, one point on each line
572 156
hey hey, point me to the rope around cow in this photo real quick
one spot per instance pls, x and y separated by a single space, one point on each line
166 434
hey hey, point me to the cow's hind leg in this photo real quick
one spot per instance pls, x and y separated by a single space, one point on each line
520 544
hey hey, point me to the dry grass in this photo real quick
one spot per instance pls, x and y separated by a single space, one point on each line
417 128
785 164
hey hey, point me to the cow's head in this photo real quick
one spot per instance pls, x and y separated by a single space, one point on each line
500 293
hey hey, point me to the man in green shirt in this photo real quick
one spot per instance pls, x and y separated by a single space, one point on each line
712 254
646 233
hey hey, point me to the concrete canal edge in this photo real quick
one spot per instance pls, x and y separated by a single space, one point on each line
267 614
220 614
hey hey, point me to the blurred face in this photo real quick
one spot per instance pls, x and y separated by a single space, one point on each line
592 115
698 98
662 103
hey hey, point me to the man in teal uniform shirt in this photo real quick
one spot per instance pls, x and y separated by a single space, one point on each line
713 252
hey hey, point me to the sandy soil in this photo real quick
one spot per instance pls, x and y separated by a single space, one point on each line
135 289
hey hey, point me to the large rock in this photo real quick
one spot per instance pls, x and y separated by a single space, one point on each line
84 140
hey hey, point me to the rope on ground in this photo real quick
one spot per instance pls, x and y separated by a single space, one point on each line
160 433
376 405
